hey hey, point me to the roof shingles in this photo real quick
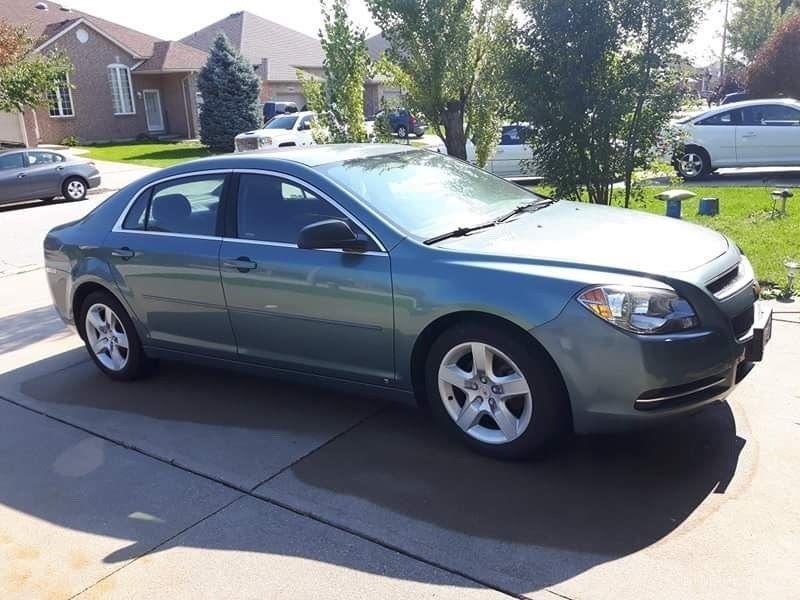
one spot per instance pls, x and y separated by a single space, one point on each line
45 24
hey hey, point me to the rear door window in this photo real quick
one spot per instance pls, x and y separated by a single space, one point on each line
188 206
774 115
732 117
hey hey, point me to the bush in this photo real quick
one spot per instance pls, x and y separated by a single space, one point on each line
70 140
230 91
776 69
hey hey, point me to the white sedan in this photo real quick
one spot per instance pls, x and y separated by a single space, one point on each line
754 133
511 157
289 129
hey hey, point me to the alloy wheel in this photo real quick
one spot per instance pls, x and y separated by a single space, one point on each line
76 190
692 165
485 393
107 337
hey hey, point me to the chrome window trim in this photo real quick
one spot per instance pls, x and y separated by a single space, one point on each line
294 246
124 214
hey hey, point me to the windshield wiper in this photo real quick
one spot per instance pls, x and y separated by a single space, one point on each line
460 232
527 206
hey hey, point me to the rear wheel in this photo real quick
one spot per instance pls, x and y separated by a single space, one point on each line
402 132
495 392
74 188
111 337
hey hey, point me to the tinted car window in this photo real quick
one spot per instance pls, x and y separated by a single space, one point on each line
136 218
732 117
771 115
274 210
11 161
41 158
186 206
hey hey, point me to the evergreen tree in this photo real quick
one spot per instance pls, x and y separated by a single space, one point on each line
230 90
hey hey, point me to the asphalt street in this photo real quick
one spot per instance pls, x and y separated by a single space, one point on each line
205 484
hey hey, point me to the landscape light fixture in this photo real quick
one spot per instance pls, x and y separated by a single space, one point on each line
779 198
792 268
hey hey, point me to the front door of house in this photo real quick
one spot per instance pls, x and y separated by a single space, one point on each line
152 110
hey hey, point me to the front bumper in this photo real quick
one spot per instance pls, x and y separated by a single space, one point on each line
618 381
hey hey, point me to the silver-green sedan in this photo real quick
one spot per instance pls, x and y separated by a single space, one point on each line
512 317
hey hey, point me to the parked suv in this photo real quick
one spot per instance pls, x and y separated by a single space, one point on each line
755 133
402 123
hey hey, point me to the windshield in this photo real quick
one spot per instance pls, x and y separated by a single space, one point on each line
426 193
281 123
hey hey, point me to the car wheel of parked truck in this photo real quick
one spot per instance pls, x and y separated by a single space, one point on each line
495 392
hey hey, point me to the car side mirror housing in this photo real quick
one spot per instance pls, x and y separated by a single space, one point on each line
331 234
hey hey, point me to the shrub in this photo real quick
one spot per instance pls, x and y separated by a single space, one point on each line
70 140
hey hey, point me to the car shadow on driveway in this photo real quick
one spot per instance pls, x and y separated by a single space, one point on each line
383 471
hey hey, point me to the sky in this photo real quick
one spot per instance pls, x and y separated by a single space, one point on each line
174 19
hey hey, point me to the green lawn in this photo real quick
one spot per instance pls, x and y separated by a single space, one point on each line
744 217
148 154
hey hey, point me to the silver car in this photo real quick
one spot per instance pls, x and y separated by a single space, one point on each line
43 174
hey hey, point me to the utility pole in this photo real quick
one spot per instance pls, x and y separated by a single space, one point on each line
724 42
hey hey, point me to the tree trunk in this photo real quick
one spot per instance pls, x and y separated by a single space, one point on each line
454 137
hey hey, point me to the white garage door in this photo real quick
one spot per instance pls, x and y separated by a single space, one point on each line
11 129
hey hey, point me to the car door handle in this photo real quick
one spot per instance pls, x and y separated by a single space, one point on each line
124 253
749 134
59 168
242 264
20 175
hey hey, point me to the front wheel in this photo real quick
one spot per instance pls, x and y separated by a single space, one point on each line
495 391
402 132
693 163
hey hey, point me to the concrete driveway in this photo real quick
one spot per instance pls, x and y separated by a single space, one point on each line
204 483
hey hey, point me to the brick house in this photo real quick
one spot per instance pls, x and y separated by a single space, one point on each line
124 83
277 52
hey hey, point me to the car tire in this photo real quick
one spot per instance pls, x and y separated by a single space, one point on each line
693 163
74 188
540 416
107 329
402 132
420 135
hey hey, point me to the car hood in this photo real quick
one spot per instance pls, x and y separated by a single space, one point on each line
581 234
273 133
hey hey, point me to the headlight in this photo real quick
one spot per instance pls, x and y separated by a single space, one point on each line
640 310
264 142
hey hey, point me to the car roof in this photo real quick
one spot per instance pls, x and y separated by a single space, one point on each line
314 156
747 103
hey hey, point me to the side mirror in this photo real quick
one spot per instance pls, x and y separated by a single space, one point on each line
332 233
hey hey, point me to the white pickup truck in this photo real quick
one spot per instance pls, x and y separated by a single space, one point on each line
290 129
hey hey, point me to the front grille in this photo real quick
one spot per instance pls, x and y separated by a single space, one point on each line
721 283
245 144
743 322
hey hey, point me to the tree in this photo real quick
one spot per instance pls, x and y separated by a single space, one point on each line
752 25
26 77
338 100
447 54
598 82
230 90
775 72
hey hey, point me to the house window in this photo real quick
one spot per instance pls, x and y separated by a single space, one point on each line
60 99
119 76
